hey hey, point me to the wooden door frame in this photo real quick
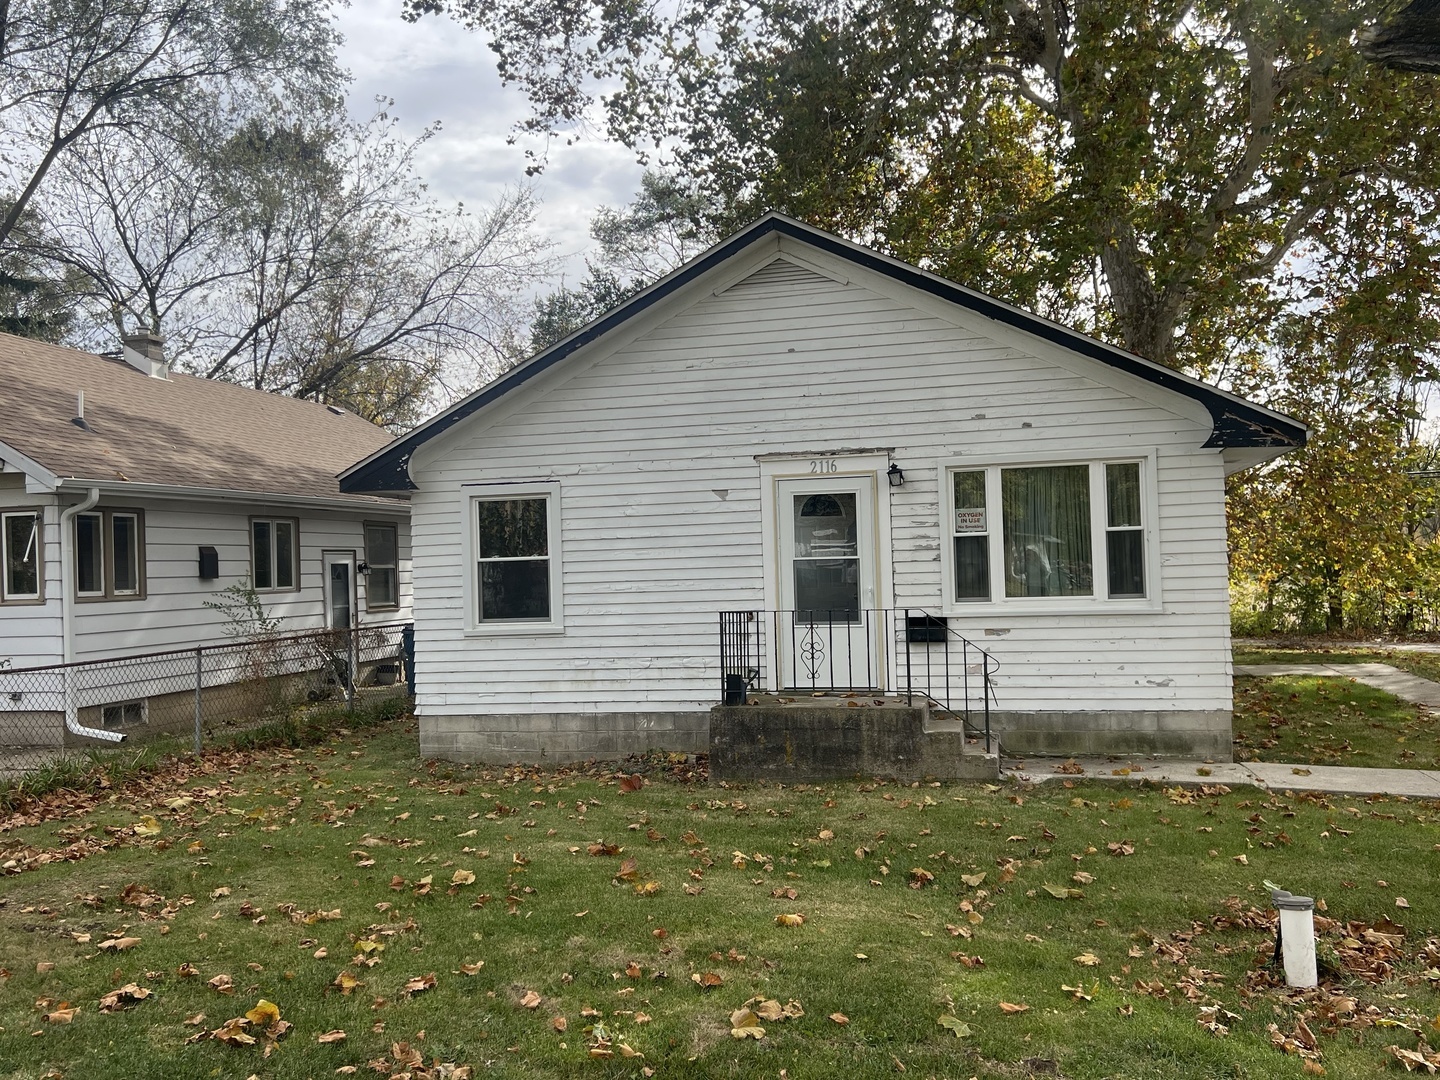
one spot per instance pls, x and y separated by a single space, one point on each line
871 463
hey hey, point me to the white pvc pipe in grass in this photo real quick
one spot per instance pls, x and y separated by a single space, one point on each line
1297 939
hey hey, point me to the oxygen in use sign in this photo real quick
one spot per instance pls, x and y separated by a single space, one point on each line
970 521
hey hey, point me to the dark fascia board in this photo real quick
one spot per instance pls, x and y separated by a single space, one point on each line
1236 422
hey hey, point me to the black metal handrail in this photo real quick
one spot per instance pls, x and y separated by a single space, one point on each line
838 650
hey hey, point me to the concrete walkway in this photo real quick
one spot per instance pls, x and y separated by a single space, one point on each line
1330 779
1381 676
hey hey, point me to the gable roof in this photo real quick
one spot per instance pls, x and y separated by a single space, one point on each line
183 432
1237 423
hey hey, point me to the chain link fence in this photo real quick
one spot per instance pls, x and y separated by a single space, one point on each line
198 694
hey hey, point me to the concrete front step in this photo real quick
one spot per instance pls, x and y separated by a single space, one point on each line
834 738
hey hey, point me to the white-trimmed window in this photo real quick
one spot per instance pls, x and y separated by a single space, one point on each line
110 555
1047 533
515 548
21 563
382 561
274 554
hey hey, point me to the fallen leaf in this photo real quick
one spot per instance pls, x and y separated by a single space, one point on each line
118 944
129 994
744 1024
1010 1009
1087 959
559 1023
264 1013
795 919
707 980
222 983
956 1025
336 1036
531 1000
631 783
64 1013
418 984
147 826
463 877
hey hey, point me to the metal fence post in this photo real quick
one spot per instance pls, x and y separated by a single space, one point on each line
199 682
350 679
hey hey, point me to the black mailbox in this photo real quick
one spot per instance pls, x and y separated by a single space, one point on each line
209 564
926 628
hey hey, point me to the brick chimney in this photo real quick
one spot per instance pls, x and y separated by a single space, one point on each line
145 351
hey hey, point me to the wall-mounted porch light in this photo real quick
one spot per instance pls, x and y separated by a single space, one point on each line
896 475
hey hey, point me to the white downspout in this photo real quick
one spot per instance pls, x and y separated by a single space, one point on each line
67 620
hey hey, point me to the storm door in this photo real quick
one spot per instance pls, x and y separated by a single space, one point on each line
828 631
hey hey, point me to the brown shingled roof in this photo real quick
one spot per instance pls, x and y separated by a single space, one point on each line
181 431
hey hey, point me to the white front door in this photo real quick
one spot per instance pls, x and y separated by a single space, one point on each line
339 590
828 631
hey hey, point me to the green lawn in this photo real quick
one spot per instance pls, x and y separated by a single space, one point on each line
1311 720
286 870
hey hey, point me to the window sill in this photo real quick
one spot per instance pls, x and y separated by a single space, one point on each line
516 630
1044 607
23 601
125 599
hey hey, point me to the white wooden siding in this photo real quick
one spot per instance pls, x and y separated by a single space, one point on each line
173 614
654 447
30 633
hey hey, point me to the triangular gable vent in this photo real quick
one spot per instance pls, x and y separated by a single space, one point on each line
781 273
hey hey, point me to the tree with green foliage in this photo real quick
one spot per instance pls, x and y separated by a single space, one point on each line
1140 169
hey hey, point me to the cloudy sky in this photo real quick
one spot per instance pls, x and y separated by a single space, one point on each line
436 70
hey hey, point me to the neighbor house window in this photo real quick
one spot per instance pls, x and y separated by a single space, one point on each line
123 714
110 555
274 554
20 534
516 561
1047 531
382 556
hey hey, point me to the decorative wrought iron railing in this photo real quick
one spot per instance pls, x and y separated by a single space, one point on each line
902 651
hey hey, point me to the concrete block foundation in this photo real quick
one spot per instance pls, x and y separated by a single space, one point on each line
560 737
1198 733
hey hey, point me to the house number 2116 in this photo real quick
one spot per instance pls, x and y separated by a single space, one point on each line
827 466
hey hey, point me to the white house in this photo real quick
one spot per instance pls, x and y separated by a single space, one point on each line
802 431
131 496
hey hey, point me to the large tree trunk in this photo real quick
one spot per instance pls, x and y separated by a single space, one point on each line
1146 317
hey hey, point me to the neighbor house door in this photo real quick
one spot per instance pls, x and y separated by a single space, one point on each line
340 603
828 631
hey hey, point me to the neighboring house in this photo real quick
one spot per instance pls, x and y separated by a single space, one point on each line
790 425
131 496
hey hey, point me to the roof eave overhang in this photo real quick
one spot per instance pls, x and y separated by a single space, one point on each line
382 504
1235 421
37 477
